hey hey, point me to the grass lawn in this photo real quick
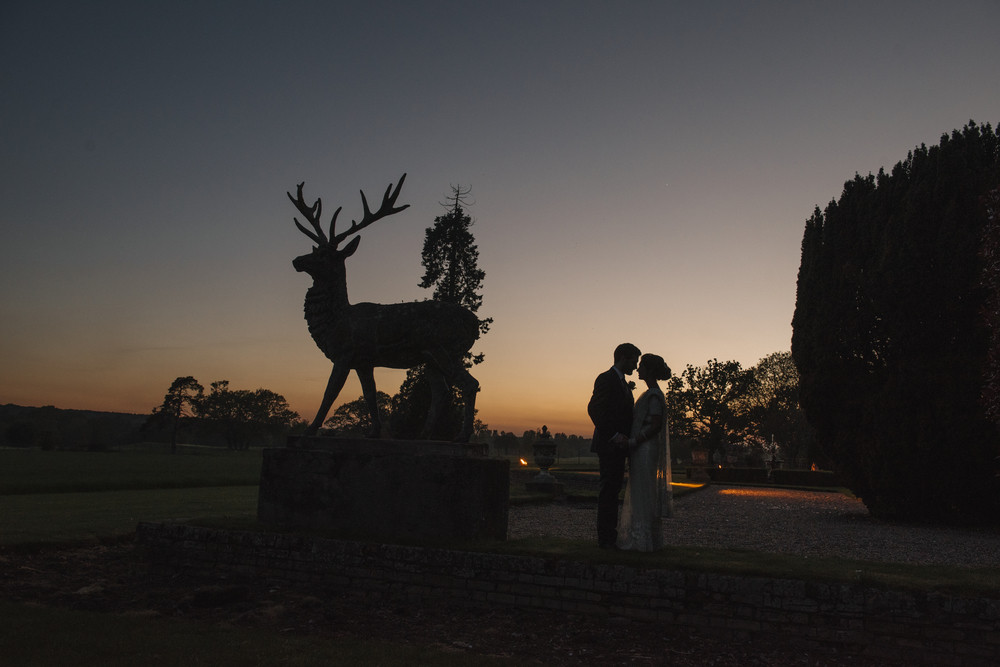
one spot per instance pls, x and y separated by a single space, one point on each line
40 519
56 499
152 467
60 497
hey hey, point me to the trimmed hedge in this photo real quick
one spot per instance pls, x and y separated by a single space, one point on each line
777 477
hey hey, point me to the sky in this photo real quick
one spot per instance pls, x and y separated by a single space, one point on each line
640 171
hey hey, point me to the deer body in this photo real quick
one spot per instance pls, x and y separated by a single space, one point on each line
364 336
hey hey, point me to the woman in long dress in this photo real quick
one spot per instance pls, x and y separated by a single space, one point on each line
647 496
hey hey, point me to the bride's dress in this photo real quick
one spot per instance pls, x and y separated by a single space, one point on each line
647 496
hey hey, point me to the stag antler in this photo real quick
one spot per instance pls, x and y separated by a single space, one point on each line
388 207
312 215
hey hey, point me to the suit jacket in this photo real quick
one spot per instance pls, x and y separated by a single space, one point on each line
610 409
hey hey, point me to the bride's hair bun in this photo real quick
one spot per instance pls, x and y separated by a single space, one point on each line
657 366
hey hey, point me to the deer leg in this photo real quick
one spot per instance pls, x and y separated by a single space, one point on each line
367 378
460 378
439 389
333 386
469 386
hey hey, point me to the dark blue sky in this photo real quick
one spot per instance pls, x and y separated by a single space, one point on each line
640 171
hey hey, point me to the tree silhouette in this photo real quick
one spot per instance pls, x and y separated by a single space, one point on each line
450 259
889 335
990 253
242 416
705 402
353 418
772 406
179 404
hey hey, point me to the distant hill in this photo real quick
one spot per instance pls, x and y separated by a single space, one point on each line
20 410
57 428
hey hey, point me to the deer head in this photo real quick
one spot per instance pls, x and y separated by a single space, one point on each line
326 261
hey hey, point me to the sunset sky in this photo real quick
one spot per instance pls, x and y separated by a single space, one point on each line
640 171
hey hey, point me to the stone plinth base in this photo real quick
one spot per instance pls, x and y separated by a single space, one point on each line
551 488
384 489
543 482
387 447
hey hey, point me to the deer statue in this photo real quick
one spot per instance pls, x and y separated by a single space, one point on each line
362 336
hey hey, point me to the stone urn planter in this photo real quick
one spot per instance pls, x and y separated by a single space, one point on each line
544 450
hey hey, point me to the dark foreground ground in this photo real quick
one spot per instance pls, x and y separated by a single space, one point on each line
113 579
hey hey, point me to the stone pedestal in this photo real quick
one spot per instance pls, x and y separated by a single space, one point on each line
544 482
384 489
699 472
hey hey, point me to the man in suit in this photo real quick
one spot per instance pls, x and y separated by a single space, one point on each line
610 409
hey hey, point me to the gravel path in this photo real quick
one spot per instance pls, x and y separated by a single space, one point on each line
807 523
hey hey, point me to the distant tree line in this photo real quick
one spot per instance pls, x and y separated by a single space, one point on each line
896 332
240 417
222 417
568 447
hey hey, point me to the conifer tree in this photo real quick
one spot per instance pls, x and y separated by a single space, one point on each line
889 335
450 259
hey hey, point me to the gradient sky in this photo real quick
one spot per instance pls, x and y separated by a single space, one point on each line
640 171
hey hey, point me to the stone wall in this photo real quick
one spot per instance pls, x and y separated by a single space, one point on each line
922 628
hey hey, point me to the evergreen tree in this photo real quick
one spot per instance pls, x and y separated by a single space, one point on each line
450 259
889 337
990 253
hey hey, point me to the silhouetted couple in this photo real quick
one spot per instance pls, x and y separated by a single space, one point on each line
636 433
